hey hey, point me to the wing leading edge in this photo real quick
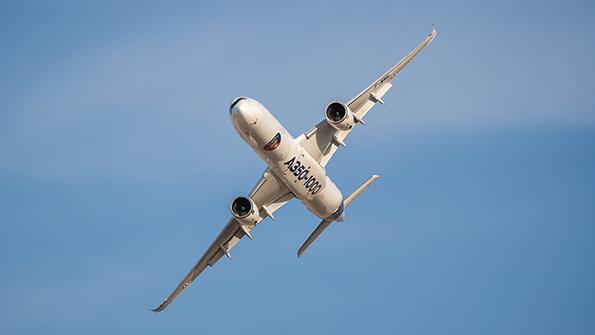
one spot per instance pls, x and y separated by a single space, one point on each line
269 194
322 141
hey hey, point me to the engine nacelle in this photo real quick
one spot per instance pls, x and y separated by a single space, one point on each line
244 210
339 116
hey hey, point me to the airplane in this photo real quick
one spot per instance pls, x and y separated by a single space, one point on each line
295 167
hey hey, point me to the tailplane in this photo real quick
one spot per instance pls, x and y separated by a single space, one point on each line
325 223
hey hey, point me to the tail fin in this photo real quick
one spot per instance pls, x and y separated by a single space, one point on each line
325 223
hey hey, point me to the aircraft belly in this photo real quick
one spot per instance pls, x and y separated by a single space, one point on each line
309 183
302 174
286 157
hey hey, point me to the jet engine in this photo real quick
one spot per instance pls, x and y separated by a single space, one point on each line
339 116
244 210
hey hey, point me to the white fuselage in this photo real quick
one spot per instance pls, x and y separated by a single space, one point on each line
286 158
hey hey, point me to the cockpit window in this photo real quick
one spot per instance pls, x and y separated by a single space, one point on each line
235 102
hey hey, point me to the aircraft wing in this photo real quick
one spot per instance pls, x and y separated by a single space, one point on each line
269 194
322 141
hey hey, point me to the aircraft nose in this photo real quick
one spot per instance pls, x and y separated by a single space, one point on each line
234 103
242 111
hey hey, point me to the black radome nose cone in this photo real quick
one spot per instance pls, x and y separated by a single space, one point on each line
234 103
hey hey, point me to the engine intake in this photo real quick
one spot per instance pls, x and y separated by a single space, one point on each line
339 116
244 210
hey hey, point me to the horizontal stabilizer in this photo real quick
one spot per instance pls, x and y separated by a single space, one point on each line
321 227
359 190
325 223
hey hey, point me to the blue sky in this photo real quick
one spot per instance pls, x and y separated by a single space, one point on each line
118 162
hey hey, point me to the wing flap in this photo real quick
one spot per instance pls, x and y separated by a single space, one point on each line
269 192
356 103
322 141
202 263
365 107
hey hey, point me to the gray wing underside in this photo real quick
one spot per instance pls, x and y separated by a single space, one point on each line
322 141
270 193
